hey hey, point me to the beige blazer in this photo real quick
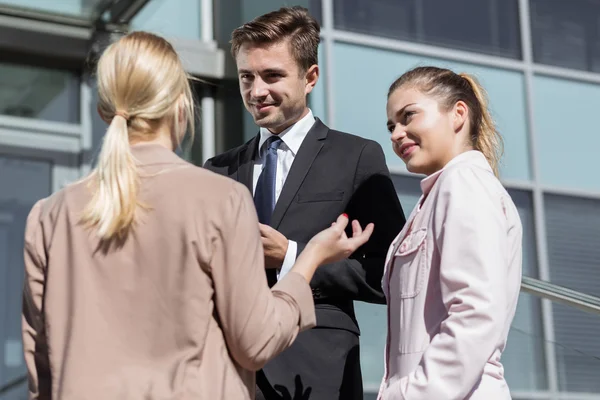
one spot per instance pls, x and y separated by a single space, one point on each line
181 311
452 282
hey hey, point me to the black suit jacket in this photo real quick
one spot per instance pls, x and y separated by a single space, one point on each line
333 172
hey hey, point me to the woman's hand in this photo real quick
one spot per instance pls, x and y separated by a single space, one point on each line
332 244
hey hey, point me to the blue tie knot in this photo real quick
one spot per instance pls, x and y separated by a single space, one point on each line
273 142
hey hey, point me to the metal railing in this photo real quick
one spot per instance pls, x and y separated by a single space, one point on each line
560 294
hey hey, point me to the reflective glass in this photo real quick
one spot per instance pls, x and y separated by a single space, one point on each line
566 33
78 8
484 26
40 93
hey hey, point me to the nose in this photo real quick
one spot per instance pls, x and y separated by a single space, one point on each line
398 133
260 89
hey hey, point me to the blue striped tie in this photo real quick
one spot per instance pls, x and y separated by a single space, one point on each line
264 194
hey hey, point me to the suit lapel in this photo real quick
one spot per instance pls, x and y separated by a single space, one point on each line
310 148
246 158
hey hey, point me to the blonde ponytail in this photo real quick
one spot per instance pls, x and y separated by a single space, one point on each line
113 206
486 137
142 86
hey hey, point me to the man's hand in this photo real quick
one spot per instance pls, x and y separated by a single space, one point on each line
275 246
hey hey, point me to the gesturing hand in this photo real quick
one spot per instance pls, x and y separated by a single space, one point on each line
332 244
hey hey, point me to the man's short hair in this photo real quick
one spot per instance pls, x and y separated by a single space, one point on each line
288 23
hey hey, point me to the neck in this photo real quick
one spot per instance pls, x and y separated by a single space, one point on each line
283 127
162 137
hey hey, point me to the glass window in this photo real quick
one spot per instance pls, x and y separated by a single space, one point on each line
566 33
363 75
253 8
15 205
78 8
172 18
485 26
577 349
565 115
317 98
573 234
40 93
523 359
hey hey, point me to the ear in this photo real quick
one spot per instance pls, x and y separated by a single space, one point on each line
460 115
312 76
102 116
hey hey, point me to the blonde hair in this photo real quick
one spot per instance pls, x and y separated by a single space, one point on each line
141 84
449 88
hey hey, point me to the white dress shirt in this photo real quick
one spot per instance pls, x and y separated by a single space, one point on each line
292 138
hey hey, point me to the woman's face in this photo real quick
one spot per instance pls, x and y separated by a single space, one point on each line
424 136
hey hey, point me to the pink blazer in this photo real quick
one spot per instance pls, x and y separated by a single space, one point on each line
452 283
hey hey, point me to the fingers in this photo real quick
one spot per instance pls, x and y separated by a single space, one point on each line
342 221
358 240
356 228
263 229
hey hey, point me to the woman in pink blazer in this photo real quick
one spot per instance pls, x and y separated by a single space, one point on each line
453 273
146 280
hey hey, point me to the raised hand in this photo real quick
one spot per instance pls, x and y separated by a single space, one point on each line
332 244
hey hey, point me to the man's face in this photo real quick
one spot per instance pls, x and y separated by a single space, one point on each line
273 86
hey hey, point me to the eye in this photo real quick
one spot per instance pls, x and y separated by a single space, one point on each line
391 128
273 76
245 77
407 117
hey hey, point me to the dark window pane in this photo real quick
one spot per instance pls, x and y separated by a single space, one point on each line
315 8
573 234
566 33
485 26
577 349
33 92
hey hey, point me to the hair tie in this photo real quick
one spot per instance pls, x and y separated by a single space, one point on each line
123 114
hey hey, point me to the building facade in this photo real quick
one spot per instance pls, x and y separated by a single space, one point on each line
538 59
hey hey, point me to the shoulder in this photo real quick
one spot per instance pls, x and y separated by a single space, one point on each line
473 192
463 178
353 146
227 158
351 140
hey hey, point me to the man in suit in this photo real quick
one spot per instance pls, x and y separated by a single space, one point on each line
303 175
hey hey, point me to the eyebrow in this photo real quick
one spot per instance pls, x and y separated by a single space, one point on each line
266 71
400 111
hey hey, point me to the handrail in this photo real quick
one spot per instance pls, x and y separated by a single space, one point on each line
560 294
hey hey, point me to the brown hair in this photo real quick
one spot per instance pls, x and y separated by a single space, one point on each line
449 88
294 24
141 83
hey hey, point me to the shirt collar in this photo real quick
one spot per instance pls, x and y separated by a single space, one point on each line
473 157
292 136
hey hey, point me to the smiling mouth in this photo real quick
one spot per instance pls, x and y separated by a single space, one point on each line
263 105
407 149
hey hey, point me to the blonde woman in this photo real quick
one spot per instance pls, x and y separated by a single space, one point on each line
453 273
146 279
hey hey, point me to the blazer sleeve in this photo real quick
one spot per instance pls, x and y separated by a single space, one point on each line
258 322
33 326
374 200
470 229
